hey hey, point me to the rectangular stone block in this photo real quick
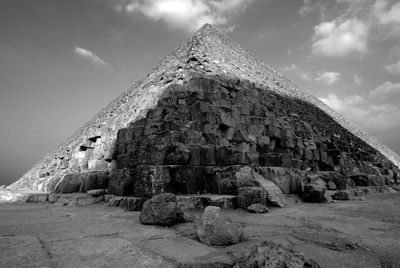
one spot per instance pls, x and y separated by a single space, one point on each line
207 156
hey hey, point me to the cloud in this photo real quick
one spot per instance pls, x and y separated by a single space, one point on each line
372 117
186 14
388 91
340 38
328 77
289 68
307 8
386 14
393 68
357 80
87 54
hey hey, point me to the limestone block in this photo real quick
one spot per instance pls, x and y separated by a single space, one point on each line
152 180
121 182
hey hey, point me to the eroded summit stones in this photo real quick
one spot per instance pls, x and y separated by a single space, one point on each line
197 121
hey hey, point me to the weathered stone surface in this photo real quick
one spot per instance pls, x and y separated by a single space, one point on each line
187 202
331 185
132 203
258 208
314 191
251 195
341 195
37 198
161 209
287 179
71 183
269 254
274 195
121 182
97 192
94 180
216 229
152 180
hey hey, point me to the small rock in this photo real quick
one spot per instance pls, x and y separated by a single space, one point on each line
331 185
341 195
97 192
161 209
361 192
269 254
257 209
215 229
314 191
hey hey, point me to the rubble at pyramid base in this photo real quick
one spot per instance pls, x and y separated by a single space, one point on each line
219 136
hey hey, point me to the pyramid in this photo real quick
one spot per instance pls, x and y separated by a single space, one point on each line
206 111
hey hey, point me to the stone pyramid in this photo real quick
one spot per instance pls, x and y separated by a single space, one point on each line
206 111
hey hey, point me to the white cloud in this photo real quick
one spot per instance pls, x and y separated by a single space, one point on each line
289 68
340 38
388 91
304 75
375 118
307 8
393 68
186 14
386 14
87 54
328 77
357 80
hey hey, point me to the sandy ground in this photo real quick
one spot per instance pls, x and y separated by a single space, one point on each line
357 233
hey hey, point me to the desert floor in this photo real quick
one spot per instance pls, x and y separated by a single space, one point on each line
356 233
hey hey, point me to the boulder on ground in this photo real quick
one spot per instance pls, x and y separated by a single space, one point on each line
215 229
250 195
257 208
161 209
269 254
314 191
341 195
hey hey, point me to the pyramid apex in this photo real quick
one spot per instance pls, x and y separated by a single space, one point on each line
207 29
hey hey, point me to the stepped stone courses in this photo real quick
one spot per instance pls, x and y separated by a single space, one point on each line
213 119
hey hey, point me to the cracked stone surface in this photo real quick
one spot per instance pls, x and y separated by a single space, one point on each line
343 234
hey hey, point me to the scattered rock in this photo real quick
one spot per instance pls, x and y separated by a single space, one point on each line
215 229
161 209
97 192
314 191
341 195
257 209
331 185
269 254
361 192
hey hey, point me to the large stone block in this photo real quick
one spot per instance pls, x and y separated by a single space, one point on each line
177 154
71 183
94 180
121 182
152 180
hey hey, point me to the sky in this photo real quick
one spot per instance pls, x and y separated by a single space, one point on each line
62 61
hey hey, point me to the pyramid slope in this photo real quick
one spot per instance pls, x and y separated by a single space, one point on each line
207 52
